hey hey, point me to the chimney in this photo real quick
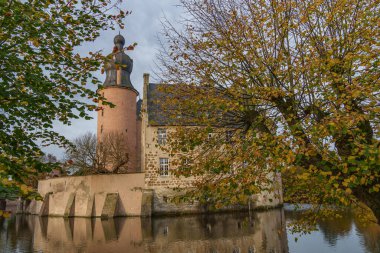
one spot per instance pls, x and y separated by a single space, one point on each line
145 91
144 123
146 82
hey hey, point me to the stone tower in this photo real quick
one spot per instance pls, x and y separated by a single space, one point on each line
119 90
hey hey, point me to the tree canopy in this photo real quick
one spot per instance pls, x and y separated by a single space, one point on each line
277 86
43 78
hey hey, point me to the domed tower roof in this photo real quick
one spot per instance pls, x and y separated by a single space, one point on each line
119 40
119 66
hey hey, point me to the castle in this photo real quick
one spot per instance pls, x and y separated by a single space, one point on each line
147 187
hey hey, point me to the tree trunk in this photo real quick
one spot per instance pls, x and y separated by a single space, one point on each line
3 204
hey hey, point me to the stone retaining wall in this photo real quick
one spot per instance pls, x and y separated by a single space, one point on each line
91 196
121 195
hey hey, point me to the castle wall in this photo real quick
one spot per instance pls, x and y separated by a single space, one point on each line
120 119
138 145
92 196
153 152
162 186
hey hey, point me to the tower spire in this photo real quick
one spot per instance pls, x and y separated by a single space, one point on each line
119 66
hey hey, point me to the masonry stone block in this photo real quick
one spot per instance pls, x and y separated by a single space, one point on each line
110 205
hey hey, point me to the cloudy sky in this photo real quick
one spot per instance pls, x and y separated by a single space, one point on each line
143 27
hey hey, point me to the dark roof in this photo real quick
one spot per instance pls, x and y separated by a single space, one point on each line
156 114
167 107
164 106
118 60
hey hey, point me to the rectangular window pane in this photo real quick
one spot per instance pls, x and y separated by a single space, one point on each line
164 166
161 136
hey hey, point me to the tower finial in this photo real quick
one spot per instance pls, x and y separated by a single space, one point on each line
119 41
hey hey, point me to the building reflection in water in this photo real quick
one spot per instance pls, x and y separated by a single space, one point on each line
218 233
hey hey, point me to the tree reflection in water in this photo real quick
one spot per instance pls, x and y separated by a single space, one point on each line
217 233
347 226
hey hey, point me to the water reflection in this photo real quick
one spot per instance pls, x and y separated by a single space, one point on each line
218 233
233 233
16 234
342 234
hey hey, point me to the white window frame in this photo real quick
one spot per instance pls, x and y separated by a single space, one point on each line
161 136
164 166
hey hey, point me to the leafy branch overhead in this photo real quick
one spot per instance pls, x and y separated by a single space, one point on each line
297 85
42 77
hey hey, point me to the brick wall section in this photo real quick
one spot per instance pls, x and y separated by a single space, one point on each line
153 153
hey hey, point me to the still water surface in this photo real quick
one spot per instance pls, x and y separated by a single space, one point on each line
217 233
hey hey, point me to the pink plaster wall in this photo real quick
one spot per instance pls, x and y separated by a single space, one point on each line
120 119
138 144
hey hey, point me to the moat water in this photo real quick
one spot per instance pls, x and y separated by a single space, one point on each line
218 233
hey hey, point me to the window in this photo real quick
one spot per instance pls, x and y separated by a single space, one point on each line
101 129
161 136
164 166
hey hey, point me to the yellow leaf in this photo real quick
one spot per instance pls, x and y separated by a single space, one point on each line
24 189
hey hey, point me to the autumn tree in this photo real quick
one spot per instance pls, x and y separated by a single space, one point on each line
276 86
88 156
12 191
43 78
